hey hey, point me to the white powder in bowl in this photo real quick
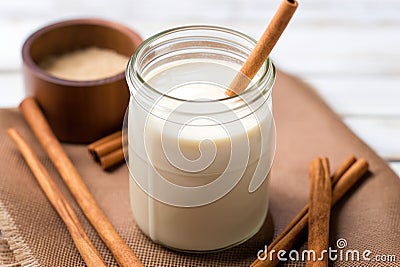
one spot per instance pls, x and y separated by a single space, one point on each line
87 64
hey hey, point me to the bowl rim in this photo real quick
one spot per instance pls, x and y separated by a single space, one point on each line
28 61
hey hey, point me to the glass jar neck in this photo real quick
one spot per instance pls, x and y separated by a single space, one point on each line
215 46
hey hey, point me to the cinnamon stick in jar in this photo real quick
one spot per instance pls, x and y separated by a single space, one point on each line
319 212
263 47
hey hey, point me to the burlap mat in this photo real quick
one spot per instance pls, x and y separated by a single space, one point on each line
368 217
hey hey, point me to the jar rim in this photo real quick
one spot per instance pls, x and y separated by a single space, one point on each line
267 76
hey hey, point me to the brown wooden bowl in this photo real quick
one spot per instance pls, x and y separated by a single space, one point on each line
78 111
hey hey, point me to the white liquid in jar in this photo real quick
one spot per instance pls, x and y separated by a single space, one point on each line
231 219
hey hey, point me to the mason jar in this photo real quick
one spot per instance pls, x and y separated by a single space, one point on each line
199 160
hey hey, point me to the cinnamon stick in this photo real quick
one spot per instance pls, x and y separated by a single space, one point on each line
319 212
87 250
295 228
263 47
339 172
36 120
105 140
106 145
108 151
110 160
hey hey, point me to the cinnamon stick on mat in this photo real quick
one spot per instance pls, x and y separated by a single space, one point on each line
112 159
108 151
346 176
36 120
88 252
339 172
319 212
105 140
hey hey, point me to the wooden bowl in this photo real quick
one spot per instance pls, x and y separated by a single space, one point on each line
78 111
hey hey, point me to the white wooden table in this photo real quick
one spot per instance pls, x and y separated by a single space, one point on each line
348 50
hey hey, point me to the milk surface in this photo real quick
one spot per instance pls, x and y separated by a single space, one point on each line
195 155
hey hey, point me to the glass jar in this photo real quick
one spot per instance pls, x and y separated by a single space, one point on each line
199 160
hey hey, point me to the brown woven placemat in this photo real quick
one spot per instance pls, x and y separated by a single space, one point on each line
368 218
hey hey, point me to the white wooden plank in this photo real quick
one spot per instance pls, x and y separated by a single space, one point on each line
13 35
11 89
382 134
395 167
310 10
304 51
339 51
360 95
345 37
